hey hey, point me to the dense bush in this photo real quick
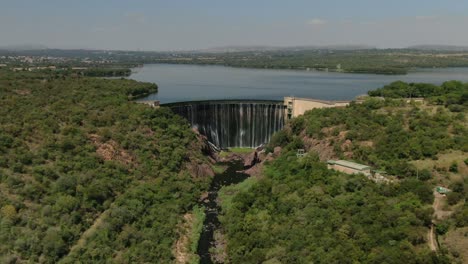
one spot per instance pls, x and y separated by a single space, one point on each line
454 94
399 132
72 148
301 212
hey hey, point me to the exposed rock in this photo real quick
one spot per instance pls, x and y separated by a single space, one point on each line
110 150
342 135
204 196
321 147
205 146
366 144
211 159
230 156
23 91
220 248
255 171
200 170
346 146
269 157
148 131
277 151
251 159
257 168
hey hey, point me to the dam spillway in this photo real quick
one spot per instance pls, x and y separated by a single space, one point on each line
233 123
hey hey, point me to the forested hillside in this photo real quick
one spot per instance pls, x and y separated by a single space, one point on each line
396 61
301 212
87 175
453 94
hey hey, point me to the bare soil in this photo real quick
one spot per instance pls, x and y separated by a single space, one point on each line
181 246
110 150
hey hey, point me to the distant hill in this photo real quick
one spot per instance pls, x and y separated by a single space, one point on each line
278 48
439 47
23 47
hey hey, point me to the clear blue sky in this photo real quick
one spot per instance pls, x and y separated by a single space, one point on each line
195 24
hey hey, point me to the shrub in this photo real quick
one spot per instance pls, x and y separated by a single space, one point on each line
442 228
453 198
453 167
425 175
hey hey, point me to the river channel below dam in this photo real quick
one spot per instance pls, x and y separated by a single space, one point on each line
231 175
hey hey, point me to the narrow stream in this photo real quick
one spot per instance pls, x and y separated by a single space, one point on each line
211 223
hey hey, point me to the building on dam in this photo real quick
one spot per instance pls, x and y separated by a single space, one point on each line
298 106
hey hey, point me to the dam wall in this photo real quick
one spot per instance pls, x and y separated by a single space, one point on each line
244 123
234 123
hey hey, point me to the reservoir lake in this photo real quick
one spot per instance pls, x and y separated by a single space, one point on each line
196 82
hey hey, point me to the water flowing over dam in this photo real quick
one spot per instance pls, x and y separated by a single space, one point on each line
234 123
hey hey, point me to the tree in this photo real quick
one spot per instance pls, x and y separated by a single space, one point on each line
453 167
8 211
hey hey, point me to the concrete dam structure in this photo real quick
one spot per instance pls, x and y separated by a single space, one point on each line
244 123
233 123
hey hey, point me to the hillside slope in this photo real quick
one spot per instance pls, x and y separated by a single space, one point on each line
301 212
83 167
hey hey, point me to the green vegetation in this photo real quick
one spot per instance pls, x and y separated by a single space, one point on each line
453 93
376 61
386 134
397 61
302 212
219 168
104 72
88 176
227 193
199 217
241 150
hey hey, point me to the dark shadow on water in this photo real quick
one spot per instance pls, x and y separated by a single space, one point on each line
211 223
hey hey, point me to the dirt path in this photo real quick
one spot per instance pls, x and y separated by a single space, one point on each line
439 214
182 245
431 239
436 205
89 232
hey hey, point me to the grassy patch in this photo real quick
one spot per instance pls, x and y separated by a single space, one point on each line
442 164
199 217
456 243
443 160
197 226
241 150
227 193
219 168
224 154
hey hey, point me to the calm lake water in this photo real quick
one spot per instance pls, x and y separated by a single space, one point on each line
193 82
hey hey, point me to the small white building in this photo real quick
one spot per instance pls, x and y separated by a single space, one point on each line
349 167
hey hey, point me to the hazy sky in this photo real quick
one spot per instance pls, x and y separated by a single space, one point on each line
195 24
